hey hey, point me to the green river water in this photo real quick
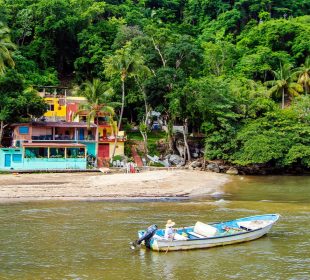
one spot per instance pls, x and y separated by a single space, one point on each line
89 240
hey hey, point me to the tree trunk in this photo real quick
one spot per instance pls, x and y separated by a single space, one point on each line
144 135
159 52
120 119
2 126
1 132
170 136
147 112
185 127
283 98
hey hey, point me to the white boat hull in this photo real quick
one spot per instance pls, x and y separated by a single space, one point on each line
201 235
175 245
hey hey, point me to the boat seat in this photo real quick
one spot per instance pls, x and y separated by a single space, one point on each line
205 230
179 237
253 225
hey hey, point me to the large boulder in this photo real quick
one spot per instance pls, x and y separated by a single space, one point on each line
213 167
176 160
232 171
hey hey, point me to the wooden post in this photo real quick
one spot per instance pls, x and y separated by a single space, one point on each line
66 102
97 145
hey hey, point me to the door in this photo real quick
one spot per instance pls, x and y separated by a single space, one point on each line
81 134
7 160
103 151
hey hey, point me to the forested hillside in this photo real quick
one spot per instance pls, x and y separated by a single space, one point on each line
238 71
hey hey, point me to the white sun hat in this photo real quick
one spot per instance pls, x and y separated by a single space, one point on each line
170 223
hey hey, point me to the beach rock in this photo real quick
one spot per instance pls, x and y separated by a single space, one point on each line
179 144
195 164
213 167
195 155
176 160
232 171
223 168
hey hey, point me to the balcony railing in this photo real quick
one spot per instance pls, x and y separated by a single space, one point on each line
112 138
102 123
62 138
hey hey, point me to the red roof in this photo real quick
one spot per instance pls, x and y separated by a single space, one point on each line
54 145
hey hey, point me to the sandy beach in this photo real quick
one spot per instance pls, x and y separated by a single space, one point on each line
98 186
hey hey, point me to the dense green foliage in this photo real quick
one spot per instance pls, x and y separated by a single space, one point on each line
235 70
18 102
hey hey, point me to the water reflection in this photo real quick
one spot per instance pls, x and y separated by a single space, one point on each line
89 240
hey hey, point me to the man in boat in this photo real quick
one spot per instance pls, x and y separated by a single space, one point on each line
169 231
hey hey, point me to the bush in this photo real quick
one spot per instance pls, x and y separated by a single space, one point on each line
279 138
153 149
118 157
127 149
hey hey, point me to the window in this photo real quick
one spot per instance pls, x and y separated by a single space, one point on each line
75 152
61 102
23 130
36 152
17 157
51 107
57 152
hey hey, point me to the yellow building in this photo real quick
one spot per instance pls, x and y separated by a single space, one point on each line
57 108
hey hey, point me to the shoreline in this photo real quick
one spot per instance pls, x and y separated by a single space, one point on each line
148 185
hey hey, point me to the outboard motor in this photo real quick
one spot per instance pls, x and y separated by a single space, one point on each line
149 233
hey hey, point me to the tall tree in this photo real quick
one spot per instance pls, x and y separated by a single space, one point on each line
140 77
17 102
6 48
283 84
123 64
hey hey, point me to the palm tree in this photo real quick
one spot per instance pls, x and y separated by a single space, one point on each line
6 47
283 84
303 74
123 64
140 78
97 94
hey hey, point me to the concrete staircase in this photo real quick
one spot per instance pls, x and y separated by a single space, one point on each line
136 157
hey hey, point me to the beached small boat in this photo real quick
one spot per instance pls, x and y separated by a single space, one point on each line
208 235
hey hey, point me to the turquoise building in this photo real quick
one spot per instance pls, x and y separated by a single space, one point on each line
44 156
45 145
